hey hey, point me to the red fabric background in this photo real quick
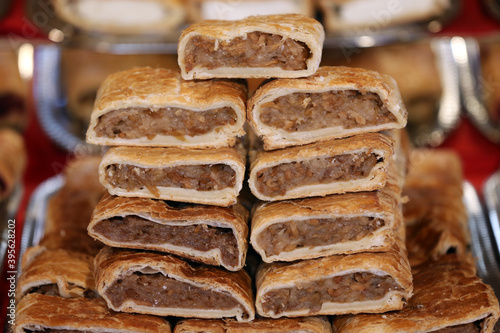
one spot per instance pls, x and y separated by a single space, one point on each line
480 157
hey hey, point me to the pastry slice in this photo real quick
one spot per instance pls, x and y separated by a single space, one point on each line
263 46
209 234
353 164
156 107
237 10
259 325
448 297
341 284
164 285
122 17
335 102
13 158
205 176
44 313
56 272
74 240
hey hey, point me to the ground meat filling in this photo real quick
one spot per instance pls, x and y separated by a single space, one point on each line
279 179
133 123
291 235
201 237
206 177
474 327
357 287
157 290
256 49
311 111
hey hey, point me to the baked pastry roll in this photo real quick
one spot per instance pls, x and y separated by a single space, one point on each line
340 284
164 285
353 164
13 159
56 272
322 226
205 176
237 10
362 15
13 91
208 234
43 313
448 297
74 240
156 107
255 47
335 102
130 17
262 325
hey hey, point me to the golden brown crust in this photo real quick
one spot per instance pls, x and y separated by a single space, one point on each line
295 26
155 88
38 312
160 212
112 264
75 240
376 143
70 272
326 79
263 325
13 91
169 157
447 293
13 158
173 12
393 263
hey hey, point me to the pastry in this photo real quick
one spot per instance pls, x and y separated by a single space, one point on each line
236 10
340 284
335 102
321 226
353 164
75 240
208 234
255 47
156 107
259 325
13 91
448 297
122 17
364 15
13 159
43 313
205 176
164 285
56 272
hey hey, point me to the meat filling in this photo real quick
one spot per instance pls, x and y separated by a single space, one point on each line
311 111
279 179
133 123
474 327
195 177
256 49
201 237
157 290
291 235
357 287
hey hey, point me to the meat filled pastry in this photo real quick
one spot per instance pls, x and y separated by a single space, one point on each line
13 159
156 107
335 102
448 297
209 234
129 17
237 10
56 272
205 176
321 226
259 325
353 164
164 285
365 15
74 240
339 284
255 47
44 313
